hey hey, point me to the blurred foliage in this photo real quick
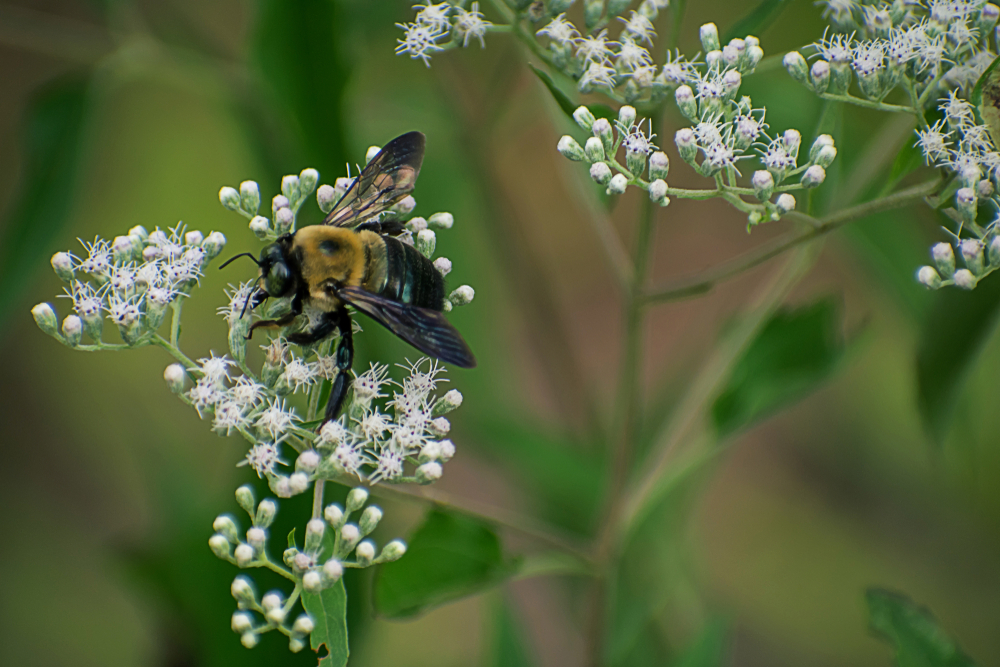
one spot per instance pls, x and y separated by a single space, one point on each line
915 634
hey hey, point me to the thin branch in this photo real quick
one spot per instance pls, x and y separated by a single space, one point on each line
868 104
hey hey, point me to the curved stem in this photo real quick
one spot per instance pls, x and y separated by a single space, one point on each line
868 104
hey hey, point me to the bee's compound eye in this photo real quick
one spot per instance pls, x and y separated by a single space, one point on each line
278 279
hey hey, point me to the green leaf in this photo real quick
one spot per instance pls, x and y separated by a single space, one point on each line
291 539
329 612
958 326
986 98
756 20
916 635
558 95
449 557
708 649
53 139
509 645
793 353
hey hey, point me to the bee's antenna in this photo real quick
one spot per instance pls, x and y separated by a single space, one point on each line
252 295
242 254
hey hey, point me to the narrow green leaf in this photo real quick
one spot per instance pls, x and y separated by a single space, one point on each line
957 328
756 21
53 140
329 612
449 557
916 635
291 539
794 352
566 104
509 646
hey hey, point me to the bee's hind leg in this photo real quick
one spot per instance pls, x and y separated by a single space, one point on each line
345 359
284 321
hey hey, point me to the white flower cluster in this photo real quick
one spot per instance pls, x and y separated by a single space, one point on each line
131 281
928 47
440 26
329 544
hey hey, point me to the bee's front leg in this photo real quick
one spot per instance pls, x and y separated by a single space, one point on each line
345 359
284 321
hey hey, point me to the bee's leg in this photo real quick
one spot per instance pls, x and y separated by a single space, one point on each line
327 325
345 359
284 321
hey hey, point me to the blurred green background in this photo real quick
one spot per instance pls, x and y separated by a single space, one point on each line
119 113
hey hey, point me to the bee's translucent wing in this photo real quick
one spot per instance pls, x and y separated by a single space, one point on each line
425 329
385 180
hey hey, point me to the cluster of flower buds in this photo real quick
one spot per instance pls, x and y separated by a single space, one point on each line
131 280
284 207
601 152
780 160
441 26
980 257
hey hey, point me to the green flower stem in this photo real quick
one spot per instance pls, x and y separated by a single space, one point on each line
868 104
317 510
705 281
171 346
175 321
914 101
265 561
931 87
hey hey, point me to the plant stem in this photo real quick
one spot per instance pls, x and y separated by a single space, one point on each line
175 320
318 498
174 351
706 280
868 104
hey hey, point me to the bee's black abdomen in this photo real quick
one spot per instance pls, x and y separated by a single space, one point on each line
410 277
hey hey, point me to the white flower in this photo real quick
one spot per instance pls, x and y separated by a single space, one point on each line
777 158
836 49
632 56
720 155
957 111
238 299
933 142
559 30
228 416
594 48
421 383
598 75
98 261
349 458
471 24
419 41
299 373
122 278
373 424
161 296
708 133
637 141
149 274
123 311
87 302
869 57
639 28
216 369
275 420
677 70
334 433
368 385
388 465
204 394
263 457
434 16
838 11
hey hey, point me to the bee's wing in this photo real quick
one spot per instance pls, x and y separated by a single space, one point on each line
389 177
425 329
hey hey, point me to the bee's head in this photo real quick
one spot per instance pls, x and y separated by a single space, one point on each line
275 272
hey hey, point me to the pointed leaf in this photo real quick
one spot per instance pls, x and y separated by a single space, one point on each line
328 610
509 643
794 352
449 557
916 635
558 95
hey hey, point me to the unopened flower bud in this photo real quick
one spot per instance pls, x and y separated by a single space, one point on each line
429 472
308 178
284 219
820 76
731 55
214 244
276 615
826 156
792 139
72 328
821 142
281 486
308 461
451 400
430 452
984 188
349 535
149 253
45 318
334 515
122 249
687 144
929 277
987 19
62 264
241 622
416 225
425 243
225 525
356 498
686 102
243 554
763 184
289 555
658 192
754 55
290 187
600 172
249 639
333 570
392 551
617 184
569 147
369 519
462 296
256 538
314 534
731 81
602 130
250 196
965 279
785 203
814 176
584 118
219 545
441 220
242 590
230 198
796 66
244 496
260 226
966 203
972 253
659 165
709 35
944 259
298 482
994 251
626 115
594 149
139 231
371 153
265 513
443 264
303 624
326 197
312 581
438 427
175 375
365 553
635 162
447 449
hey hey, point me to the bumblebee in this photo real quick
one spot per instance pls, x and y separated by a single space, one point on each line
354 259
